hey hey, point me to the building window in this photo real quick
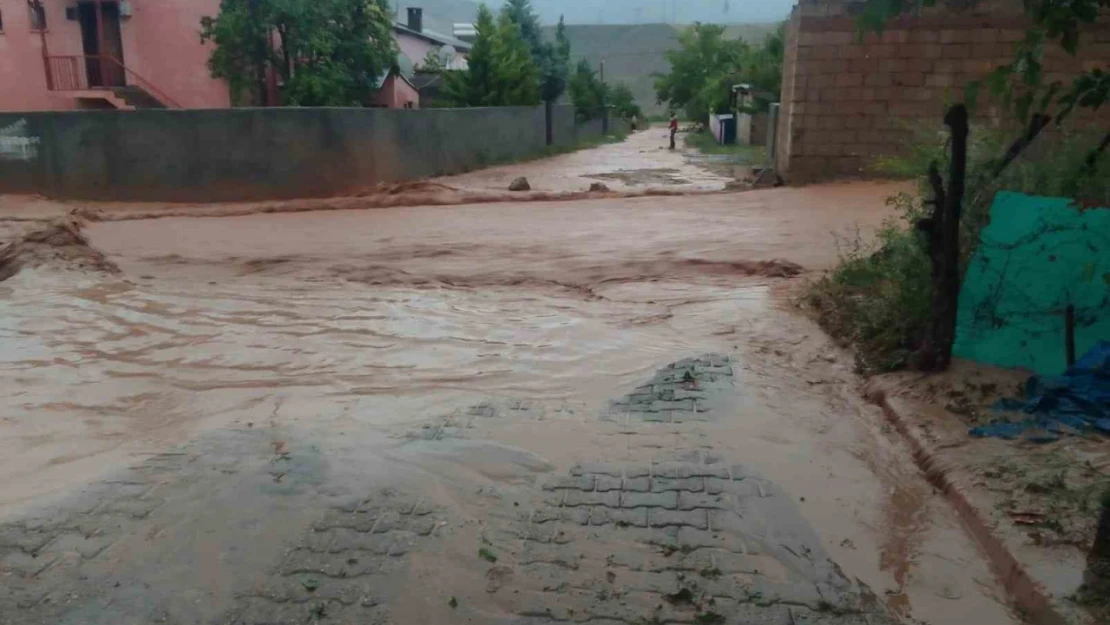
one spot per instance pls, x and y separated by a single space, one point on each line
38 14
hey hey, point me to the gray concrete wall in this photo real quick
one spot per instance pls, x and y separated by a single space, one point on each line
244 154
564 133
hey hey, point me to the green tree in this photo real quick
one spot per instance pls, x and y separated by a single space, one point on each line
623 102
552 59
433 63
326 53
706 65
501 71
587 92
522 14
554 62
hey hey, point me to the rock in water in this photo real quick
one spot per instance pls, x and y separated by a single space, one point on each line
520 184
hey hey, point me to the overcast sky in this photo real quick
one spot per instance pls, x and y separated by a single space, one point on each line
615 11
647 11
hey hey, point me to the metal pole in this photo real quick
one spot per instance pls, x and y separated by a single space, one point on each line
1069 333
101 77
45 51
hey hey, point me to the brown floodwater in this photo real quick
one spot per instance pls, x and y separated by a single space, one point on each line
391 320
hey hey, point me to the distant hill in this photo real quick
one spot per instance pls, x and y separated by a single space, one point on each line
632 53
440 14
612 12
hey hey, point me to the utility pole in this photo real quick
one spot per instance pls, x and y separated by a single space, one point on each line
604 102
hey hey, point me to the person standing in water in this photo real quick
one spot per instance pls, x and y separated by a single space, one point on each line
674 128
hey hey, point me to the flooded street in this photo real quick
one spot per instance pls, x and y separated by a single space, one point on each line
597 410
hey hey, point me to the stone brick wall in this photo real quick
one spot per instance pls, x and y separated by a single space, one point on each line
846 102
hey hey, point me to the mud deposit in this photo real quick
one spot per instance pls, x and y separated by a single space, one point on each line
590 411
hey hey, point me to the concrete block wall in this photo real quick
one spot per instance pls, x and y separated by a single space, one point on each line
846 102
251 154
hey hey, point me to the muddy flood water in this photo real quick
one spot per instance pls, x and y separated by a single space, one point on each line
437 415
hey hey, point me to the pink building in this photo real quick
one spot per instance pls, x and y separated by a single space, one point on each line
396 92
106 54
124 54
415 42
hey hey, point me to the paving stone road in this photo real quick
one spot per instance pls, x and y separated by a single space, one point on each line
254 527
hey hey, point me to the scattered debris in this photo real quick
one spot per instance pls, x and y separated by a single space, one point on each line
87 214
667 176
61 243
708 618
684 596
1071 404
710 572
497 576
1027 518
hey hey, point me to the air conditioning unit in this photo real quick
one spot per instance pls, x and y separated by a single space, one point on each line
125 9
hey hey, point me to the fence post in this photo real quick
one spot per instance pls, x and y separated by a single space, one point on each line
946 287
549 111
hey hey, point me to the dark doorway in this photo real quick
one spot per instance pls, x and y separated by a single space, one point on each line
103 51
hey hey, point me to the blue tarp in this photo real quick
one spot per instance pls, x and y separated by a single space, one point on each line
1078 401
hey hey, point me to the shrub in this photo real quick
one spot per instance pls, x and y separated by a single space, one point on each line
879 296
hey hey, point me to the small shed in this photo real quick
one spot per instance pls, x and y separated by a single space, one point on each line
396 92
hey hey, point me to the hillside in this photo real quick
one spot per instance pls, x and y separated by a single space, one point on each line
615 11
632 53
661 11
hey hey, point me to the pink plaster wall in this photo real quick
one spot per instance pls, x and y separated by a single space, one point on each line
417 48
161 43
22 74
396 92
414 47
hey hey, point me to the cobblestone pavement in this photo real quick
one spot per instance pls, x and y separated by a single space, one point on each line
244 527
688 390
700 541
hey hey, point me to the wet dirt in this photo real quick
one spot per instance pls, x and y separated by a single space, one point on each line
308 379
638 177
640 161
1041 499
59 245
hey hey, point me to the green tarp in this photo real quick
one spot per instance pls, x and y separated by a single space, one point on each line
1037 256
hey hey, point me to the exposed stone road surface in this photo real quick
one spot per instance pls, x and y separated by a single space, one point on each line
599 411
